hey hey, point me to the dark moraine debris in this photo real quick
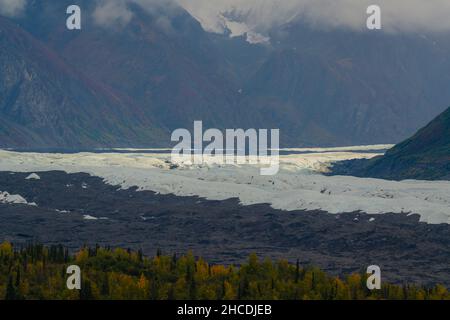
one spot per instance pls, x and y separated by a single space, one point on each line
220 231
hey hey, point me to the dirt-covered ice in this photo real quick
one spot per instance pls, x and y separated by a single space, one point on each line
6 197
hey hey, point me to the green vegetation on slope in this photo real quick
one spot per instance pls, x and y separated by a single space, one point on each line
39 272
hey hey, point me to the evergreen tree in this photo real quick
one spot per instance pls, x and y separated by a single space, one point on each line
18 278
38 272
86 291
11 292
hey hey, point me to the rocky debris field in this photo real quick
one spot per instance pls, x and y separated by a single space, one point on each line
79 209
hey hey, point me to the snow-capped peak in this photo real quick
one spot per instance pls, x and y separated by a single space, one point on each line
253 19
239 29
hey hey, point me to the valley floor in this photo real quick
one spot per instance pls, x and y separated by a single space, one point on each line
341 224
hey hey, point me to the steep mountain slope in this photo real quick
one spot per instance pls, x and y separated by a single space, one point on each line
161 59
343 87
46 103
424 156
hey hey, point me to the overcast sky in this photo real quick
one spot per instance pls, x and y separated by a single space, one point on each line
397 15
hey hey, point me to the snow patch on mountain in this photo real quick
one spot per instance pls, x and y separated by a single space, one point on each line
240 29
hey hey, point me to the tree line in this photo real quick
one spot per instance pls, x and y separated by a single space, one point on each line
35 271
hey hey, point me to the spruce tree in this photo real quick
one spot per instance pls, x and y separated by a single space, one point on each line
11 292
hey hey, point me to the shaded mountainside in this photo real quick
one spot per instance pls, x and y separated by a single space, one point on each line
132 83
161 60
341 87
106 87
424 156
46 102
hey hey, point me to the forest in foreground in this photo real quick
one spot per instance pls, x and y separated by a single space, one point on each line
39 272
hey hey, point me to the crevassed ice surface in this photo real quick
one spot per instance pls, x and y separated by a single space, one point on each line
298 186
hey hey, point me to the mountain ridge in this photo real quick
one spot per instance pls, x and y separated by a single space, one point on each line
424 156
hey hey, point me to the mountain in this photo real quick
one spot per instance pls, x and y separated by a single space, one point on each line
161 59
425 156
133 77
341 87
107 87
44 102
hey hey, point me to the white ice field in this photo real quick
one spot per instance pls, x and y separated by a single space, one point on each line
298 186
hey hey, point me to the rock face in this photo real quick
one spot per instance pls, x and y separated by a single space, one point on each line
131 83
425 156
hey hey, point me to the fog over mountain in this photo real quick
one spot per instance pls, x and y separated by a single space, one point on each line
11 7
263 15
398 15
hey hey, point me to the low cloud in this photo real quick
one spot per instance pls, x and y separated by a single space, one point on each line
262 15
397 15
11 8
112 13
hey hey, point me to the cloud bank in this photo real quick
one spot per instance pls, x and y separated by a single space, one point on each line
397 15
118 13
260 16
112 13
11 8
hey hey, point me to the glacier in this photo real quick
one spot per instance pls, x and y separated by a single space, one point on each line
300 184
